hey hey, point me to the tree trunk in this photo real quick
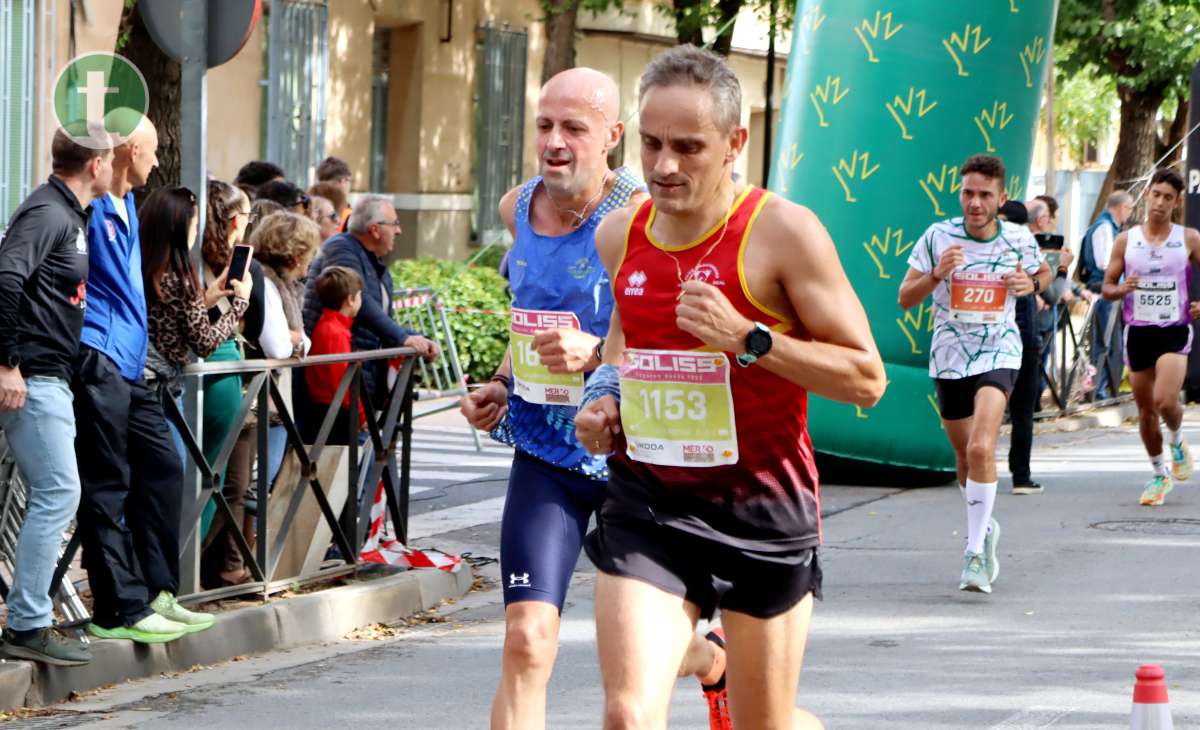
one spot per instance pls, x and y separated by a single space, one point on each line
728 12
1173 147
689 21
1136 144
163 80
560 36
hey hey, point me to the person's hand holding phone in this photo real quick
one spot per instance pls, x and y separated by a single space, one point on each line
217 290
242 287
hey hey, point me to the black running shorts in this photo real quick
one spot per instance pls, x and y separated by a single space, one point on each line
1144 345
631 543
956 398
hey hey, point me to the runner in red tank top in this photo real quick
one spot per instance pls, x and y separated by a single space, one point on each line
731 306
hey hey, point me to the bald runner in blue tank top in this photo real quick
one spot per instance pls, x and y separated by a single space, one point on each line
554 485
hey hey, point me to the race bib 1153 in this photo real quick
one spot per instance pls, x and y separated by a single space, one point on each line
677 408
532 380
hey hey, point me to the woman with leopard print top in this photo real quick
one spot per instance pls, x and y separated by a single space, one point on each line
177 307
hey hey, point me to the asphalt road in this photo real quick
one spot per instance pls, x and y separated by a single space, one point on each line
1091 586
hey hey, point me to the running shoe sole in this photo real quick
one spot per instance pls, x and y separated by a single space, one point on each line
21 652
990 555
1181 471
125 632
1028 489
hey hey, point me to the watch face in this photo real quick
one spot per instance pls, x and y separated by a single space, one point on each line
758 342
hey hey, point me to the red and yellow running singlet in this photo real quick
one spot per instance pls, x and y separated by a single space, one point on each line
768 500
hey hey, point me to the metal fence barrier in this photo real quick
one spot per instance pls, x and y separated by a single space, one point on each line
388 433
1076 361
421 309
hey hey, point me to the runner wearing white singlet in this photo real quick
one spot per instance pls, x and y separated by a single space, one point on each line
1154 259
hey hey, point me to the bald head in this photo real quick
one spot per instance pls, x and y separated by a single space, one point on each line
136 153
578 123
586 86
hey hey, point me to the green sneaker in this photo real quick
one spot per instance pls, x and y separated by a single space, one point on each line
1156 490
989 550
48 646
153 629
166 606
1181 462
974 575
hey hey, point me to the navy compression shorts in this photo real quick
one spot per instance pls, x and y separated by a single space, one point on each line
545 518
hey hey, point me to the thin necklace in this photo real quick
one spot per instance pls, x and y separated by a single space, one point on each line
581 214
696 267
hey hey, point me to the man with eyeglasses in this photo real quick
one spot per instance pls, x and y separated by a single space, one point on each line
362 249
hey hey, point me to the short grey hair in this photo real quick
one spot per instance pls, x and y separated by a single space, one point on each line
689 65
1037 208
368 210
1118 198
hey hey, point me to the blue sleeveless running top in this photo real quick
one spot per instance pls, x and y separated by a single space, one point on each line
562 274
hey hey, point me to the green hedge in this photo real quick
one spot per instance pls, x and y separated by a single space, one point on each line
477 305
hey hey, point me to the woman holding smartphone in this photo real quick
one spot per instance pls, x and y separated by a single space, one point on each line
178 303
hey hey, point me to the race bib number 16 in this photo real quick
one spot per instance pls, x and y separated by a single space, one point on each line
977 297
677 408
532 380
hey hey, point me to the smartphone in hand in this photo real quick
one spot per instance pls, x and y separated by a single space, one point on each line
239 262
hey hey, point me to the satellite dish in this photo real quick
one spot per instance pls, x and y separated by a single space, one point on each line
230 23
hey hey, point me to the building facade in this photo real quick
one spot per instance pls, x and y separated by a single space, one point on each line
429 101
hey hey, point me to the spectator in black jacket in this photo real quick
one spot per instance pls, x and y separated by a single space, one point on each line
373 229
43 276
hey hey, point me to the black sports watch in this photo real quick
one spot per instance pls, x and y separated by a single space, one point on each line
13 360
598 351
758 344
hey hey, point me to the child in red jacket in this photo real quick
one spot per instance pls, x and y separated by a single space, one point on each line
339 290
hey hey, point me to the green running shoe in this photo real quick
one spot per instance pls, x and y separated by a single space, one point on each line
989 550
166 606
974 575
1156 490
153 629
1181 462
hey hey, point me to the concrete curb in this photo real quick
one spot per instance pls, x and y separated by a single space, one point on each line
1107 417
308 619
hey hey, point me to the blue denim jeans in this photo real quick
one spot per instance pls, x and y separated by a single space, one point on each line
42 438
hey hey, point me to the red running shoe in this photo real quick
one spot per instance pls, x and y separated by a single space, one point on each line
715 694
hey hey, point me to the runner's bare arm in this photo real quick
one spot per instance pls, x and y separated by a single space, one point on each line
1112 288
841 361
508 210
1192 236
918 285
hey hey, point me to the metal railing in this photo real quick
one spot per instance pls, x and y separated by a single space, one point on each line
388 433
421 309
1076 361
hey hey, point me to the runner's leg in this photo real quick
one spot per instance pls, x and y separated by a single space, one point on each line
1148 425
765 656
642 634
990 403
959 433
1169 373
530 648
541 534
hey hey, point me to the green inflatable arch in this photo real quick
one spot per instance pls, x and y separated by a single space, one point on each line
883 102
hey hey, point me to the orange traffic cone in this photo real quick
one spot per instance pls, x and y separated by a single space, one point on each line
1151 710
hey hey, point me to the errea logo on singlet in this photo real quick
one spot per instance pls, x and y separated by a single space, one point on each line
635 284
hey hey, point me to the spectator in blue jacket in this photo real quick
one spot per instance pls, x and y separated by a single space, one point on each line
43 270
371 235
131 475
